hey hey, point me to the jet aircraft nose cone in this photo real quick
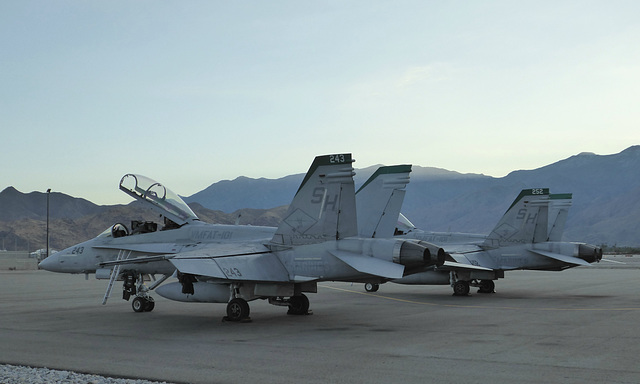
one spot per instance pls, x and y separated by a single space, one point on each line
49 264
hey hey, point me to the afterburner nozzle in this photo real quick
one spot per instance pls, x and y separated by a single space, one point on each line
420 254
590 253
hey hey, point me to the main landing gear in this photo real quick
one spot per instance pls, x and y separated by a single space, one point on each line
462 287
487 286
238 309
298 305
371 287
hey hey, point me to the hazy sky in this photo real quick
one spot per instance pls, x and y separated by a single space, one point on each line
190 93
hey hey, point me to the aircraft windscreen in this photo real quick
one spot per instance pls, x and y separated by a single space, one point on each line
160 197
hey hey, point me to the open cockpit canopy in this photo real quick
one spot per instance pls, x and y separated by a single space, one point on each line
162 199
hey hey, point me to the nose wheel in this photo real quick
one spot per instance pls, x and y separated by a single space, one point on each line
141 304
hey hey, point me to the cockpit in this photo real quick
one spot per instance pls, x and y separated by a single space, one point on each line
162 199
175 211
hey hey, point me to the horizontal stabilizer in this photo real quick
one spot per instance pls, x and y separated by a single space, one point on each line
448 265
613 261
563 258
371 265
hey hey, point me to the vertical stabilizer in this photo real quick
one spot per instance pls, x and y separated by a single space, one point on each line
558 213
526 220
324 208
379 200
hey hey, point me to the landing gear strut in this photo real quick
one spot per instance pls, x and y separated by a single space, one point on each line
129 285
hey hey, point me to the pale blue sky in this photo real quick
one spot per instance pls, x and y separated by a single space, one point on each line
190 93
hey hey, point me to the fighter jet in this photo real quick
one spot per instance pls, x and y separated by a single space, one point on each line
182 230
316 241
527 237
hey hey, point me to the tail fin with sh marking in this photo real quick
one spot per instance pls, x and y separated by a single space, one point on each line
526 220
324 208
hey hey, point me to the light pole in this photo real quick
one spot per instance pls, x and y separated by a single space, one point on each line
48 194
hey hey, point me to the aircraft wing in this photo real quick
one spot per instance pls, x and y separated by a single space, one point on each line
236 262
559 257
370 265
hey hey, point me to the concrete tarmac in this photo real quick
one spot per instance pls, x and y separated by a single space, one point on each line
575 326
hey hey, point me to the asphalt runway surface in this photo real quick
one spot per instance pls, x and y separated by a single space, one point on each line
575 326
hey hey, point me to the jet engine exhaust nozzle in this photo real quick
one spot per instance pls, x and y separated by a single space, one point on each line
419 254
590 253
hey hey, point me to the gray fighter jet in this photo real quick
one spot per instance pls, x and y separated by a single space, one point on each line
527 237
182 230
316 241
523 239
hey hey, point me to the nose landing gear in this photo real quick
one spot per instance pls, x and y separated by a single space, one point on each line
134 285
142 304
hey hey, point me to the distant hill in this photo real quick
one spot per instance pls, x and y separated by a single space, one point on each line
244 192
15 205
606 196
606 202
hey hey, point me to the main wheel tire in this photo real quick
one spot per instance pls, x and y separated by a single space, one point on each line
461 288
371 287
298 305
487 286
139 304
237 309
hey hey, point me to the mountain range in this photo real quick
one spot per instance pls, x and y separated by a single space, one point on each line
605 188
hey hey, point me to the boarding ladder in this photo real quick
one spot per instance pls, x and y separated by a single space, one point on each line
122 255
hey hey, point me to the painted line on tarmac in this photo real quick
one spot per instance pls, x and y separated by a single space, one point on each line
478 306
